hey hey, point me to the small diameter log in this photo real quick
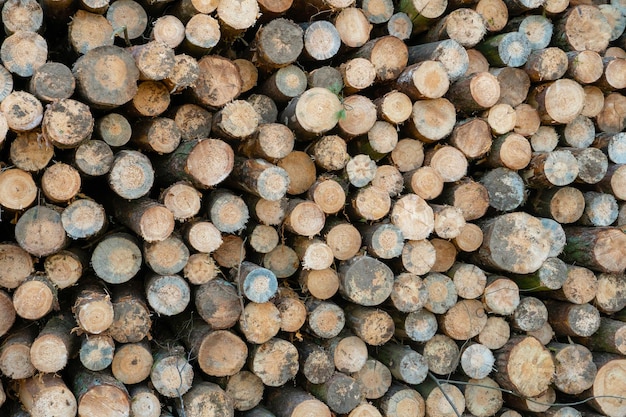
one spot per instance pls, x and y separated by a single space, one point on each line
349 352
419 325
131 175
321 40
388 54
501 118
563 204
477 361
218 353
579 287
40 232
527 120
474 92
464 320
168 295
67 123
263 238
546 98
432 120
442 354
365 280
159 134
93 158
184 163
357 74
547 169
514 85
96 352
530 315
595 35
292 311
172 374
282 261
506 49
17 189
470 238
469 280
295 402
322 284
394 107
472 137
575 369
92 309
35 297
316 364
245 389
448 221
55 344
603 248
235 121
374 326
169 30
22 111
610 337
52 81
167 256
609 293
389 179
445 254
501 295
463 25
383 240
413 216
201 34
546 64
116 258
144 402
360 117
550 276
15 353
83 24
360 170
441 293
545 139
495 334
151 220
449 52
313 253
275 362
218 82
201 268
600 209
612 121
193 121
231 251
47 394
23 52
271 141
258 284
131 316
375 379
206 398
400 400
511 151
286 83
182 199
573 319
408 154
314 112
612 145
404 363
330 153
605 389
341 393
325 318
83 219
218 303
512 361
227 211
132 362
483 397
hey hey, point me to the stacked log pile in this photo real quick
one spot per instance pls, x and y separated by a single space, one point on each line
297 208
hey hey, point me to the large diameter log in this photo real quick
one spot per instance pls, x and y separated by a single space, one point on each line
608 386
93 76
514 242
514 361
583 27
46 395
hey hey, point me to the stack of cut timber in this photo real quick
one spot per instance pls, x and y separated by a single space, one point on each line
290 208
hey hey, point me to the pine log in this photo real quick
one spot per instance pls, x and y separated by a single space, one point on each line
206 399
593 36
295 402
131 316
404 363
321 284
218 303
501 295
47 394
144 402
316 363
605 389
132 362
171 374
495 334
259 322
510 361
483 397
602 248
375 379
609 293
608 338
93 158
530 315
419 325
341 393
96 352
275 362
401 400
292 310
545 139
477 361
394 107
325 318
472 137
15 353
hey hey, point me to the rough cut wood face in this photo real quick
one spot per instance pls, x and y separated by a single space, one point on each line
296 208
